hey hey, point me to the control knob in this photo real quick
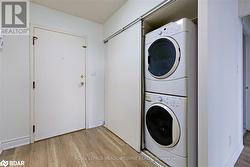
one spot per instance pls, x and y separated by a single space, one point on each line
160 98
159 32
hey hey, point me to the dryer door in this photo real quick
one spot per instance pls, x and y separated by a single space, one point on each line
163 125
163 57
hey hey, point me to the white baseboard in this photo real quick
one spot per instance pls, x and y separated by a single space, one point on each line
154 160
1 150
15 142
95 124
231 162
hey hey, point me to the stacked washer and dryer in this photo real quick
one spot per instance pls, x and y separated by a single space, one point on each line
170 98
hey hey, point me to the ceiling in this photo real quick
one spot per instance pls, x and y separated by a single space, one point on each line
94 10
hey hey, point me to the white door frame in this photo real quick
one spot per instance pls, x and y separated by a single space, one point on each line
32 73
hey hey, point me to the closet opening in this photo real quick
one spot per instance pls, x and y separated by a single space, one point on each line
177 12
246 88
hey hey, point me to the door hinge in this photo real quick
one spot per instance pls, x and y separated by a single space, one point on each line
34 84
34 128
34 38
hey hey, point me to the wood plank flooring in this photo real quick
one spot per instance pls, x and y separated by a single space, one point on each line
244 159
96 147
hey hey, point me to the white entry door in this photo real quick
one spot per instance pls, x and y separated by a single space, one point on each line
59 100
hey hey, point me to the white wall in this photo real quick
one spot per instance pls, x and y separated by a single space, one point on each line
15 93
220 83
130 11
16 75
95 54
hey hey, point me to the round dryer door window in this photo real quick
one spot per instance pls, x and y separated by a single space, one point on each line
163 125
163 57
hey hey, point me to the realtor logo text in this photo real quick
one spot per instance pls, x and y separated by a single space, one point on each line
15 17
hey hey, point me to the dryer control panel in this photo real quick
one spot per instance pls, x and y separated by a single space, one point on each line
182 25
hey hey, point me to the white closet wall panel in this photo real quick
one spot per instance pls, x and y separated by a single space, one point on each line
123 85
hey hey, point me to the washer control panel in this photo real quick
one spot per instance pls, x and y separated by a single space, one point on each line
170 101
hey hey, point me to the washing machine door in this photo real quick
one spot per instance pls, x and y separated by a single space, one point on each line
163 125
163 57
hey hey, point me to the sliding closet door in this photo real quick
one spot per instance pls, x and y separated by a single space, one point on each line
123 85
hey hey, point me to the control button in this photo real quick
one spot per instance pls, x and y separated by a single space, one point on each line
159 32
160 98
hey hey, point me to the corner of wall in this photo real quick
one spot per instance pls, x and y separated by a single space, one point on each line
232 160
96 124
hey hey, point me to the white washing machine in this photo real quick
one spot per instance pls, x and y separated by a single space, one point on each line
166 127
170 58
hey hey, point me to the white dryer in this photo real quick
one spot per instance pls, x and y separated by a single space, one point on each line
166 127
170 58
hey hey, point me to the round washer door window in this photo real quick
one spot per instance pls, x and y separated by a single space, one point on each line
163 125
163 57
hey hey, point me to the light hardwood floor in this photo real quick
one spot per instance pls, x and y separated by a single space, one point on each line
96 147
244 159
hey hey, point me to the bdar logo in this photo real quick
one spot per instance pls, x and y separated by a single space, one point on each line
4 163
